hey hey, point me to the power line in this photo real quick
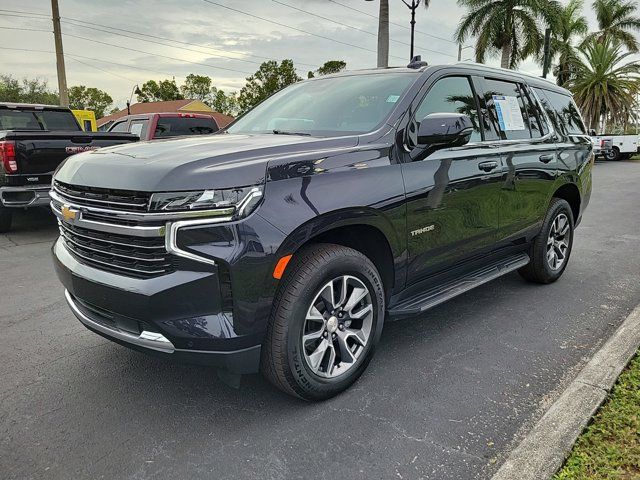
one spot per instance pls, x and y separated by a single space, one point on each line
157 54
392 23
84 24
68 19
76 56
26 29
356 28
102 69
290 27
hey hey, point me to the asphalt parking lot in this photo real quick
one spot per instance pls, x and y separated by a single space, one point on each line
446 396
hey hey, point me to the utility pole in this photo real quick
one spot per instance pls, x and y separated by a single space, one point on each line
459 52
383 34
62 75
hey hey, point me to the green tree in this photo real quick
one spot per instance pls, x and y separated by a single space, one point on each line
197 87
605 82
512 28
329 67
161 91
569 24
83 98
269 78
618 19
28 91
226 104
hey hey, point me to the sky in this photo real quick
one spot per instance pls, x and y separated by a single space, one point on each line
224 44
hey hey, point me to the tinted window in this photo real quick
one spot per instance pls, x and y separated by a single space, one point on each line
565 112
13 119
329 106
119 127
451 95
523 123
139 128
173 126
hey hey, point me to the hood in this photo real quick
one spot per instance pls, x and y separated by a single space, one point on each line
192 163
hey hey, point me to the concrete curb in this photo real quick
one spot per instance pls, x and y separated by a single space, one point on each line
546 446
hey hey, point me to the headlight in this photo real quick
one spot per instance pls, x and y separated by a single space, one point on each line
238 201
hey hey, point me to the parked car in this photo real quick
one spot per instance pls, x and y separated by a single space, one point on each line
152 126
281 243
617 147
34 140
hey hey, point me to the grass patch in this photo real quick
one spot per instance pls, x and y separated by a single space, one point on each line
610 446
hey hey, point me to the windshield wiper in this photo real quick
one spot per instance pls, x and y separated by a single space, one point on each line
283 132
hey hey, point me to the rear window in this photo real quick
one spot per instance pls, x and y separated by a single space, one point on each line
15 119
174 126
563 112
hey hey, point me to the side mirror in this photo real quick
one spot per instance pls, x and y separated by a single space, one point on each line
444 130
592 133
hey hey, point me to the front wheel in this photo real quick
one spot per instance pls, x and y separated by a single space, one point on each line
551 249
326 320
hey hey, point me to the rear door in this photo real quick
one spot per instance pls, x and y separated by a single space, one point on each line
452 194
529 158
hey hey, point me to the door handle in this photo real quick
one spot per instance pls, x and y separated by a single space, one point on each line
488 166
546 158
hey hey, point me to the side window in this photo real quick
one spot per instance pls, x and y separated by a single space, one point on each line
567 113
139 128
511 113
555 118
451 95
119 126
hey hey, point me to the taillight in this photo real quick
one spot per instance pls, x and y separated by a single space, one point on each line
8 157
601 143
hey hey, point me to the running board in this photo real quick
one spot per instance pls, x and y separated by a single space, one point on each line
437 295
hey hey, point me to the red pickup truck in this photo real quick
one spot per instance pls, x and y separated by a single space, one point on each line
151 126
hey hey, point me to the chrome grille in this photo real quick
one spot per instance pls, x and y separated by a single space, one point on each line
107 198
128 255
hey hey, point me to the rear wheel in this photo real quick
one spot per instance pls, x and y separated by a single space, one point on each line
551 249
326 320
6 217
613 154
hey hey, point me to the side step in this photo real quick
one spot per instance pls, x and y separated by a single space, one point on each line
437 295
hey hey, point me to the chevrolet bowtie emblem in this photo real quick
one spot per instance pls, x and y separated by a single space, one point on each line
69 213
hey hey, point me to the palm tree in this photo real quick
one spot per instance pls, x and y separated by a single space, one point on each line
569 24
512 27
617 19
604 84
383 34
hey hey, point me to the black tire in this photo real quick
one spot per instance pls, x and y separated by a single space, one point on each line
613 154
6 217
283 362
538 269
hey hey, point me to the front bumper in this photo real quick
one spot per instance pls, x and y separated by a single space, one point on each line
179 316
25 197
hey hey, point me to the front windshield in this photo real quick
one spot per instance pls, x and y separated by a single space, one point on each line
328 106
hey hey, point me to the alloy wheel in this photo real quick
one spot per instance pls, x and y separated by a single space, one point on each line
338 326
558 242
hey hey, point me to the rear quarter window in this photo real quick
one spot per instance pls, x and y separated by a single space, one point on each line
563 112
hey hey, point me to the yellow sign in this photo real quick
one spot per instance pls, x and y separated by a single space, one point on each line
69 213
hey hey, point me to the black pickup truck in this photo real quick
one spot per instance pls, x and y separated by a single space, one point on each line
34 140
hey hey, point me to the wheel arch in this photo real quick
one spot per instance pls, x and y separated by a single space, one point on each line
570 193
368 232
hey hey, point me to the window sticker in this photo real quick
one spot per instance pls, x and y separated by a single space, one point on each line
393 98
509 113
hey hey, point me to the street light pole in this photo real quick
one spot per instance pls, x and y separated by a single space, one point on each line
62 74
413 7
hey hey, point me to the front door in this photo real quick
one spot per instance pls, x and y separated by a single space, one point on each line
452 194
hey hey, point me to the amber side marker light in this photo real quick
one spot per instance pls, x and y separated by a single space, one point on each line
281 266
